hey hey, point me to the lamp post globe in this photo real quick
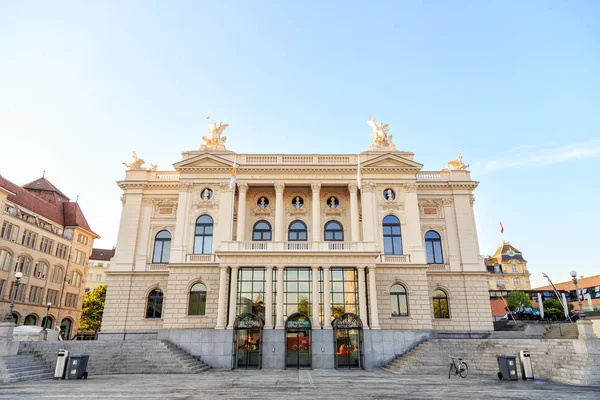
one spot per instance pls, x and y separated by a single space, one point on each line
9 316
581 313
19 275
49 304
573 274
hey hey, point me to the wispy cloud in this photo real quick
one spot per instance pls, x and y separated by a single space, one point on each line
540 155
532 146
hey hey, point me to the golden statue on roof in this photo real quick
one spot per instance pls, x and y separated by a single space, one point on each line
214 139
381 137
456 164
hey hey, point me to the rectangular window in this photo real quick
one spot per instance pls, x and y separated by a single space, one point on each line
62 251
5 260
29 238
82 239
106 278
80 257
40 270
500 283
3 285
89 278
98 278
20 296
36 294
74 279
517 281
298 291
71 300
52 297
344 291
7 231
514 268
251 291
46 245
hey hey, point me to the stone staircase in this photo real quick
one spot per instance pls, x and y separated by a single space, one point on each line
553 359
121 357
562 331
23 368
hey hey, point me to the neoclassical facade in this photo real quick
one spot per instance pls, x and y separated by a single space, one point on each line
302 261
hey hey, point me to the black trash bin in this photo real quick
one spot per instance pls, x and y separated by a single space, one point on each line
77 367
508 367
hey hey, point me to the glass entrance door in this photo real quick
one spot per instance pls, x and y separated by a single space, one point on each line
297 341
247 348
347 330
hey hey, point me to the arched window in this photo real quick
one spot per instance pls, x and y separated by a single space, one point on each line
334 232
40 270
57 274
399 301
23 265
297 232
48 323
203 235
197 302
30 320
440 304
74 279
155 302
5 260
433 247
162 247
392 238
261 231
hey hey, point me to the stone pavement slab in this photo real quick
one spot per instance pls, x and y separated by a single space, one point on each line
294 384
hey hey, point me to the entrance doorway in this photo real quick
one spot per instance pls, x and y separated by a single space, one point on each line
247 338
348 337
65 329
298 352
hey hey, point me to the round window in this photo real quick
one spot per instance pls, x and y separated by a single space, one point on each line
389 194
262 202
298 202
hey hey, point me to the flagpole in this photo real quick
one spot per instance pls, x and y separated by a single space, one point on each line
232 186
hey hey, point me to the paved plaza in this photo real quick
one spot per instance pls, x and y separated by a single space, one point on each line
293 384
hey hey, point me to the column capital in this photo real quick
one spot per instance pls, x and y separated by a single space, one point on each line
235 267
325 267
226 187
410 187
315 187
447 201
223 266
242 187
269 267
353 188
369 186
185 186
279 187
314 267
361 267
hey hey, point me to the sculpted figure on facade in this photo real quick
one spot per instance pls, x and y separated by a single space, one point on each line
214 139
381 137
456 164
137 164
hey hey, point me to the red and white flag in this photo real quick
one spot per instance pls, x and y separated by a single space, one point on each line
501 228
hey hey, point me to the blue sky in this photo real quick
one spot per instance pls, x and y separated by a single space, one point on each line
513 85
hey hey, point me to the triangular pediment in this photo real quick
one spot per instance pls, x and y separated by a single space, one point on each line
390 160
204 160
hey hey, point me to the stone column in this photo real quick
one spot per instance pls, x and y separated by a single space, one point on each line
316 212
233 296
182 221
223 231
241 214
269 298
316 299
326 298
143 240
279 187
354 229
362 295
128 229
368 220
280 297
453 256
222 305
373 298
412 237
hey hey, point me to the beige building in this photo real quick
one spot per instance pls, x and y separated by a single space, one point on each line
296 265
508 269
98 264
45 238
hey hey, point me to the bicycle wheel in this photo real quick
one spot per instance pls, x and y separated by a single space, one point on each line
450 371
464 370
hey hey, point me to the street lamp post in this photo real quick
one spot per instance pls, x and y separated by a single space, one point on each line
574 276
18 276
47 312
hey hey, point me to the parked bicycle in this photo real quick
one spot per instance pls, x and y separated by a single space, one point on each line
459 366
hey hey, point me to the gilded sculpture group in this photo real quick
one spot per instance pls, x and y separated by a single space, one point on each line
382 140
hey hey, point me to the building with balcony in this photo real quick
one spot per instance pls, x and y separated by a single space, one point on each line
98 264
45 238
508 269
306 260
